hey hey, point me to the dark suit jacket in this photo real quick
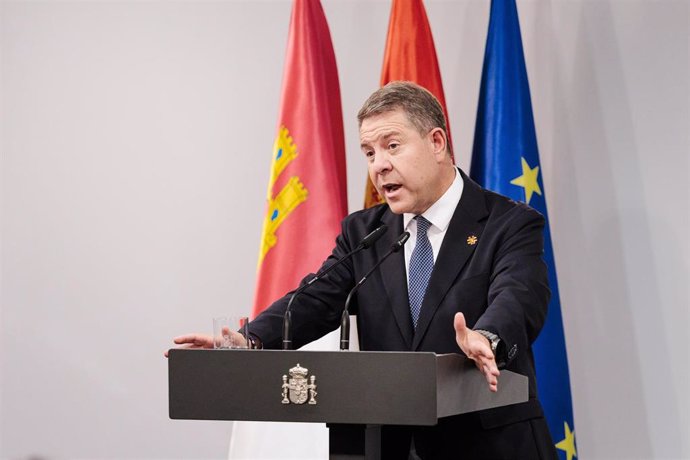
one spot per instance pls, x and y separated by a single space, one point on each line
498 281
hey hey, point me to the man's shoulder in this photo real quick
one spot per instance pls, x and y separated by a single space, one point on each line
481 203
502 203
503 206
360 223
367 217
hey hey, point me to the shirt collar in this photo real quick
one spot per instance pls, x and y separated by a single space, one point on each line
440 213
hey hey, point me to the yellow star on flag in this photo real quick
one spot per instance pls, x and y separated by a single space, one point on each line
568 444
528 180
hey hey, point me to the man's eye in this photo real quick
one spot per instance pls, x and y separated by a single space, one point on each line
393 146
369 154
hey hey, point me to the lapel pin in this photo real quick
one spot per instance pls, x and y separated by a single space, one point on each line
472 240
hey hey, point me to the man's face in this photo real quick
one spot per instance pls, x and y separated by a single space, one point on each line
408 169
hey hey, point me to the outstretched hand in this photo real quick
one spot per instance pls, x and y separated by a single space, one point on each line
206 341
478 349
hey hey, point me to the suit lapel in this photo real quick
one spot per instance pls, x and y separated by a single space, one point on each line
458 245
394 278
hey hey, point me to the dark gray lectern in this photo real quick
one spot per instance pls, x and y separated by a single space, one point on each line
354 392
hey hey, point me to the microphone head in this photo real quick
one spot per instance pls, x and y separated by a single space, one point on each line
400 242
372 237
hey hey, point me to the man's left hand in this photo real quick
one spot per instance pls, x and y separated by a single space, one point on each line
478 349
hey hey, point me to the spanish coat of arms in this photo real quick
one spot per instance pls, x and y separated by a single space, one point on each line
299 388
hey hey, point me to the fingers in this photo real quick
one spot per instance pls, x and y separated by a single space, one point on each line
184 339
490 371
234 340
192 341
184 344
493 383
198 340
476 347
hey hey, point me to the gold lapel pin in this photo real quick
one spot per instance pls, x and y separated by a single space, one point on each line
472 240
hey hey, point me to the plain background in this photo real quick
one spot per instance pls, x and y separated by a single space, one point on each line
136 140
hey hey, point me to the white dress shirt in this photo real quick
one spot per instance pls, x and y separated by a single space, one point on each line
439 214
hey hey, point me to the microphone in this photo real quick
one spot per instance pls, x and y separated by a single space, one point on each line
366 243
345 318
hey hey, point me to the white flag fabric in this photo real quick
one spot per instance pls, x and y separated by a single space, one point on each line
287 441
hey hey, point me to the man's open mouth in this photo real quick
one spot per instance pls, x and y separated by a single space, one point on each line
388 188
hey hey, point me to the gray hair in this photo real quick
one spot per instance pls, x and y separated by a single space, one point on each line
421 107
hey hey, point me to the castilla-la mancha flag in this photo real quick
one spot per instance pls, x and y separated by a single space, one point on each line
410 55
307 190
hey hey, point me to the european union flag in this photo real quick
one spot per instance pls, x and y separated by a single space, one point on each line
505 159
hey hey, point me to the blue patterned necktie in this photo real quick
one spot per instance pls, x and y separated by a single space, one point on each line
421 265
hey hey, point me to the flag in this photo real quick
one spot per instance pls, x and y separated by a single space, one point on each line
505 159
307 199
410 55
307 189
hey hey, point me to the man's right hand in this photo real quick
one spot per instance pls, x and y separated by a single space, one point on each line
205 341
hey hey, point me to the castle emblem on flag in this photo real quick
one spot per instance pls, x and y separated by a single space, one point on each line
293 194
299 388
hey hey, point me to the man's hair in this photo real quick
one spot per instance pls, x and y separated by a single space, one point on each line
421 107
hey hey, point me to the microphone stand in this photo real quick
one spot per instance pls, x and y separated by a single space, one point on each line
345 318
366 243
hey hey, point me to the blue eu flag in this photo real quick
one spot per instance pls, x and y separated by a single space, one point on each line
505 159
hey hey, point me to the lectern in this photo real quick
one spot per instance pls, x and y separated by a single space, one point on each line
354 392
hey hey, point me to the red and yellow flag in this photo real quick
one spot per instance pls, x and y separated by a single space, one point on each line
307 190
410 55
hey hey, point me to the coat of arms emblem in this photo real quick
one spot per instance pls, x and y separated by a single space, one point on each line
299 388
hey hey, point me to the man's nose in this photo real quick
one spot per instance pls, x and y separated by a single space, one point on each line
381 163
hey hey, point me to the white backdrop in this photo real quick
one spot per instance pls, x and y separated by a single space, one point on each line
136 140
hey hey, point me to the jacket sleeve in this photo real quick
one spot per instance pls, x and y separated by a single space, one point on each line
316 311
518 292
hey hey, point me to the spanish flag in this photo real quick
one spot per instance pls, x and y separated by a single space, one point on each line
307 189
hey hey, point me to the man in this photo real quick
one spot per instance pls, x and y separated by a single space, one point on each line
471 279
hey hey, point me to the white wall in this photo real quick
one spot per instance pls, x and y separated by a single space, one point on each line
136 140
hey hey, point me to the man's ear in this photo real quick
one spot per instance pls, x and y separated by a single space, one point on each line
439 141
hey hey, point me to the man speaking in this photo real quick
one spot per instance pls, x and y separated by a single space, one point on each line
470 278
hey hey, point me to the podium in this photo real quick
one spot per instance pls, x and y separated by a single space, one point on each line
353 392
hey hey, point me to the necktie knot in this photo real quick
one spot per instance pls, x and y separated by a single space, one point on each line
422 226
